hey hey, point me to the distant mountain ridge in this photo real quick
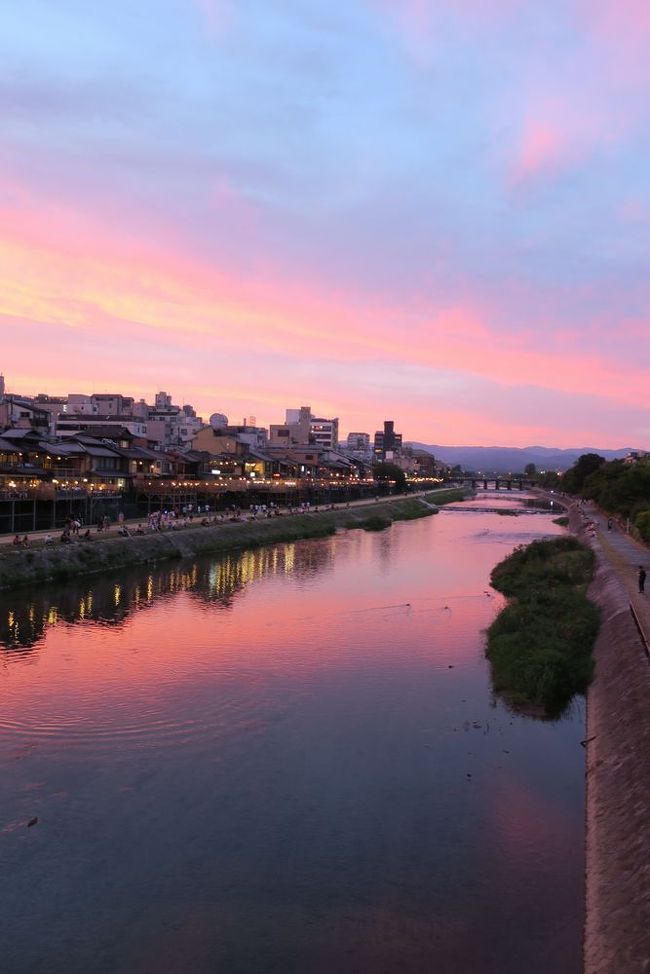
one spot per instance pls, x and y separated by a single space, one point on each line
501 459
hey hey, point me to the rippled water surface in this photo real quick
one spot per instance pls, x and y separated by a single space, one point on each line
285 760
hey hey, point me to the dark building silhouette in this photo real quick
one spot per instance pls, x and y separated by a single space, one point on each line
388 444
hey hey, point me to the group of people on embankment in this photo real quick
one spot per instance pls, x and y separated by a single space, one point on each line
590 525
173 520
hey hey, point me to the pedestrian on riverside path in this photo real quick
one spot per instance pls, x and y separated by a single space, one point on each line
641 579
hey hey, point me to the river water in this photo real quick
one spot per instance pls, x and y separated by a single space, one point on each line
286 760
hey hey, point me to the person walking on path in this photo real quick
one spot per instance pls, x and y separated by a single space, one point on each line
641 579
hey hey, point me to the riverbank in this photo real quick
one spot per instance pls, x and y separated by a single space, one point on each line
215 747
617 929
32 566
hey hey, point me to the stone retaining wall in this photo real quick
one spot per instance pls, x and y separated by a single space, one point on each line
617 930
36 565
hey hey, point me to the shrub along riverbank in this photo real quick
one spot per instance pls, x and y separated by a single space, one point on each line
540 644
448 496
35 565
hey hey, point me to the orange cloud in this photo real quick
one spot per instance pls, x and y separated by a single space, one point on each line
68 270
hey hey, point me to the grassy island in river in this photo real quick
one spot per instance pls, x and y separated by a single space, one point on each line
540 645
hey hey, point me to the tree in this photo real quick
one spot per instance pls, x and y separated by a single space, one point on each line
383 472
620 487
550 479
573 479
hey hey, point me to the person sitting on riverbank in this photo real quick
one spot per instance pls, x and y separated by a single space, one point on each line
25 542
65 537
17 542
48 539
86 536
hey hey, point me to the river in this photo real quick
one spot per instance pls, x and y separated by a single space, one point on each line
285 760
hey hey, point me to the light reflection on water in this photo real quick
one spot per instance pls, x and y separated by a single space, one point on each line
288 759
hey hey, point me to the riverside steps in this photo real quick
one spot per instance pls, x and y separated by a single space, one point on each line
35 565
617 928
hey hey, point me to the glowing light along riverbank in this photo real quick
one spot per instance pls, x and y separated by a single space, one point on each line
35 565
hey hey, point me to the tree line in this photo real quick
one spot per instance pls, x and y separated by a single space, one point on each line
619 488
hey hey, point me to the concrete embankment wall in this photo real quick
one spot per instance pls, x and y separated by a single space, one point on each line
58 562
617 930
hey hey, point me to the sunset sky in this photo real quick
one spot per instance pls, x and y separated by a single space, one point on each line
435 211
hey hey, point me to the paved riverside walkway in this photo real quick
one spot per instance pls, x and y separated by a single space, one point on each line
625 554
37 538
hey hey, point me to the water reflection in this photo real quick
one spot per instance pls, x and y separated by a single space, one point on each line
309 774
25 617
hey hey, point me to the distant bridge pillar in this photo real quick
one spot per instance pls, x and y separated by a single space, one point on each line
509 485
485 486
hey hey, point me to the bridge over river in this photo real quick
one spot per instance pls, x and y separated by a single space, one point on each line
496 483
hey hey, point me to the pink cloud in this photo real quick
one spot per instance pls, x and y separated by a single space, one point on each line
215 14
84 281
621 31
542 151
420 24
627 20
419 15
634 212
561 133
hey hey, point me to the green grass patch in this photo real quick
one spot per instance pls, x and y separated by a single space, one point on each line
642 524
540 645
563 521
376 523
449 496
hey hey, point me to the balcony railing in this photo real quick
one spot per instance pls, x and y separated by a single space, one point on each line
20 468
67 473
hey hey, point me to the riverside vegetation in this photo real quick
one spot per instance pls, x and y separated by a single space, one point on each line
619 488
540 645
